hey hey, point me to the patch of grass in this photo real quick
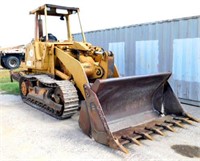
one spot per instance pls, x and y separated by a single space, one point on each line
4 73
5 85
10 87
5 80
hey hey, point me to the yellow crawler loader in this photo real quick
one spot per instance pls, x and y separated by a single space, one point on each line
64 76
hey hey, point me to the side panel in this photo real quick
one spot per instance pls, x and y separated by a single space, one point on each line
147 57
186 68
30 56
39 56
186 59
118 48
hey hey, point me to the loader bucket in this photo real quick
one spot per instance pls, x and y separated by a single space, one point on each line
118 111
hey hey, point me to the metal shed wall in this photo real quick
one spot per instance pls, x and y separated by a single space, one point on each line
172 45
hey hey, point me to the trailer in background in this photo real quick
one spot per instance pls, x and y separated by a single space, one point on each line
11 58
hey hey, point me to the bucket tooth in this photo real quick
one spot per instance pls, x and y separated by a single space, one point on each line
155 130
184 120
176 123
136 141
121 147
179 124
133 140
147 136
192 118
144 135
187 121
166 127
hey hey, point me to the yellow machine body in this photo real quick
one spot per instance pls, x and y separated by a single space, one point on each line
63 76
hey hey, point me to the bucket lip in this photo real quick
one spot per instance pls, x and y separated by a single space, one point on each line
97 83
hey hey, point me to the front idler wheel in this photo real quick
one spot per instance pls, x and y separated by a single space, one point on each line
24 87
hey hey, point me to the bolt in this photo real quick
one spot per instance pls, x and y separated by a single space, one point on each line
92 106
98 72
87 93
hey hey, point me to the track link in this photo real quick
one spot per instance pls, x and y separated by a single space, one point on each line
69 93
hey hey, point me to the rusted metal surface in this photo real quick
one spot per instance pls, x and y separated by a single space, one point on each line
56 98
124 110
17 75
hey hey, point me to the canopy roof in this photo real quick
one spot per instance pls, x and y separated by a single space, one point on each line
52 10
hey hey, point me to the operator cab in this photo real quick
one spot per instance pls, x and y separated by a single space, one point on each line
51 22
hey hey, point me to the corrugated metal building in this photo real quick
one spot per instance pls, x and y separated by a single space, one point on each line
172 45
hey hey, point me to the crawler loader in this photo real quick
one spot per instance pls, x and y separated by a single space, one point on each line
65 76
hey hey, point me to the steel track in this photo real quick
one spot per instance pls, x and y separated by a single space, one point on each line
71 101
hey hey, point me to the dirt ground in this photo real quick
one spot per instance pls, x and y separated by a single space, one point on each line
29 135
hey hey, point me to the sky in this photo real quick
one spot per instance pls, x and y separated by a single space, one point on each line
17 26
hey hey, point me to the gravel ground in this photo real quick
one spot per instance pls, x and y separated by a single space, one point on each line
30 135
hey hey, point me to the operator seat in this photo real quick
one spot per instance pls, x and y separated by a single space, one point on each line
51 38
